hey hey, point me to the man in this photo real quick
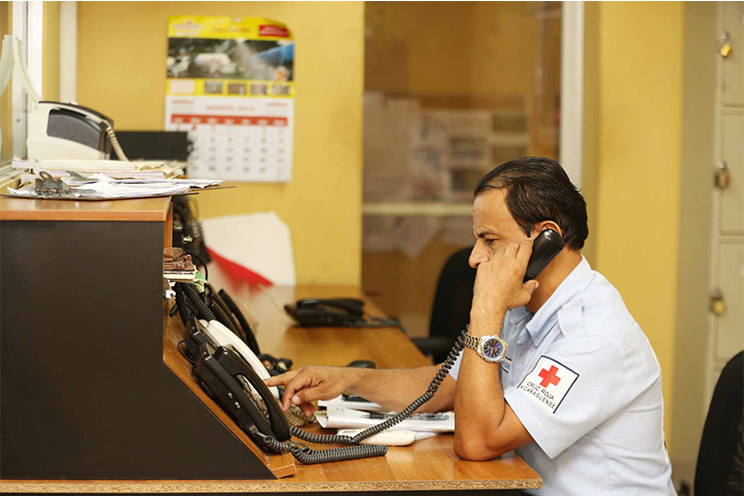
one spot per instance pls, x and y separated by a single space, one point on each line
578 392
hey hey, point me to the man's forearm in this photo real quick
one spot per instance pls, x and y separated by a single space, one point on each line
479 400
395 389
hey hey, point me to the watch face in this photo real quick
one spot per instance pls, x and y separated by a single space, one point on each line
493 349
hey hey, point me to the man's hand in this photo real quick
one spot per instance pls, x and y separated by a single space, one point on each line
308 384
498 285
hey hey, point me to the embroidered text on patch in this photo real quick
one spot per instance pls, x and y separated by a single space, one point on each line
549 382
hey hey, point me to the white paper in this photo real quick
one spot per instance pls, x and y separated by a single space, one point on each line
259 242
346 418
340 402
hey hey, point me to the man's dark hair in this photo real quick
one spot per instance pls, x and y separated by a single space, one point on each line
538 189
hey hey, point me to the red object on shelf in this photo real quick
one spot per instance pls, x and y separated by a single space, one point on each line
239 272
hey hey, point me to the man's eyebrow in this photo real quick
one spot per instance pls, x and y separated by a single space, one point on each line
484 232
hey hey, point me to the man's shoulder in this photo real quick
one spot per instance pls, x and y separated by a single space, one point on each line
600 314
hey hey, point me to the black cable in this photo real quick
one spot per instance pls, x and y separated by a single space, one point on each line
224 319
182 303
250 337
416 404
196 299
310 456
222 305
198 259
184 354
391 322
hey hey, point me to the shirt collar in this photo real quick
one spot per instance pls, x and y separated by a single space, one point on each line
576 282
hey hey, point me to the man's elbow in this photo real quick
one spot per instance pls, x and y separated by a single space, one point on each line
476 450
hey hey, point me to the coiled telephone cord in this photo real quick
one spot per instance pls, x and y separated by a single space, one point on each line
115 144
309 456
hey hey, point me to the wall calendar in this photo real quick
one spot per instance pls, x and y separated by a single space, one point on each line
230 85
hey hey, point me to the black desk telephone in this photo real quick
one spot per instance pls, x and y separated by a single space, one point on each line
226 368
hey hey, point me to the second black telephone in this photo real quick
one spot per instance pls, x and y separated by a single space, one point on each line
229 377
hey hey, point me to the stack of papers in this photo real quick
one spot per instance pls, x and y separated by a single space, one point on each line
177 266
9 176
419 422
103 180
342 413
138 169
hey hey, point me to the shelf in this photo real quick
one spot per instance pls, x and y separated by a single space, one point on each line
280 465
429 209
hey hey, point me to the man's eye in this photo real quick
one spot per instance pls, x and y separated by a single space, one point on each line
491 241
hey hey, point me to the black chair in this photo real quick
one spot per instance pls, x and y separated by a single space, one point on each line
451 310
717 473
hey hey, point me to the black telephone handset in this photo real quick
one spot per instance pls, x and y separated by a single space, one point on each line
220 372
331 312
547 245
218 369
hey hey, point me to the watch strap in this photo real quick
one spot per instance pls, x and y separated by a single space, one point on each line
471 342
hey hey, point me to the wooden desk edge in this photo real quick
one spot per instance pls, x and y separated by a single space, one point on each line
24 209
268 486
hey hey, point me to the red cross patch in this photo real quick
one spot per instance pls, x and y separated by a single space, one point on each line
549 376
549 382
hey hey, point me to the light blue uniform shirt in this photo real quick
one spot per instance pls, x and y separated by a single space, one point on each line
582 378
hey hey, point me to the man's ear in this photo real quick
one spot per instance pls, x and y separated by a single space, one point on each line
546 224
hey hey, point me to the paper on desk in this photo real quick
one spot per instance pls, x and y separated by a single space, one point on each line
149 183
421 422
74 165
340 402
104 190
256 248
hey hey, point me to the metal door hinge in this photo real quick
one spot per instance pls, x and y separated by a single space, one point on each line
722 176
717 304
726 48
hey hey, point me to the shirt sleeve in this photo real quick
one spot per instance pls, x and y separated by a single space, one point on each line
578 384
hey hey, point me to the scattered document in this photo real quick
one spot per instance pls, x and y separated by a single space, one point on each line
102 180
389 437
177 265
102 190
340 402
419 422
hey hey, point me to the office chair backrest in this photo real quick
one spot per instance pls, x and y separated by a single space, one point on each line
451 310
722 434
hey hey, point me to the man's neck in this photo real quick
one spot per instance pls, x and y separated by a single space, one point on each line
552 276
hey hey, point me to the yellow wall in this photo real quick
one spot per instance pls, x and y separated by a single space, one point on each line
50 56
639 156
6 100
121 72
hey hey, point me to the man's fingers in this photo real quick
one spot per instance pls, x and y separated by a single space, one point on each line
511 250
307 408
531 286
292 387
309 395
525 250
281 379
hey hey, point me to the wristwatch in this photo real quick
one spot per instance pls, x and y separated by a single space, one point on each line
489 348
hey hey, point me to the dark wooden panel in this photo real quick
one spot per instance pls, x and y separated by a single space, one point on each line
84 393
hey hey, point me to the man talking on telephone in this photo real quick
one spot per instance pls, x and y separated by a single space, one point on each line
577 392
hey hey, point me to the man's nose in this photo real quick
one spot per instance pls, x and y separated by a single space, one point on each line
477 256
